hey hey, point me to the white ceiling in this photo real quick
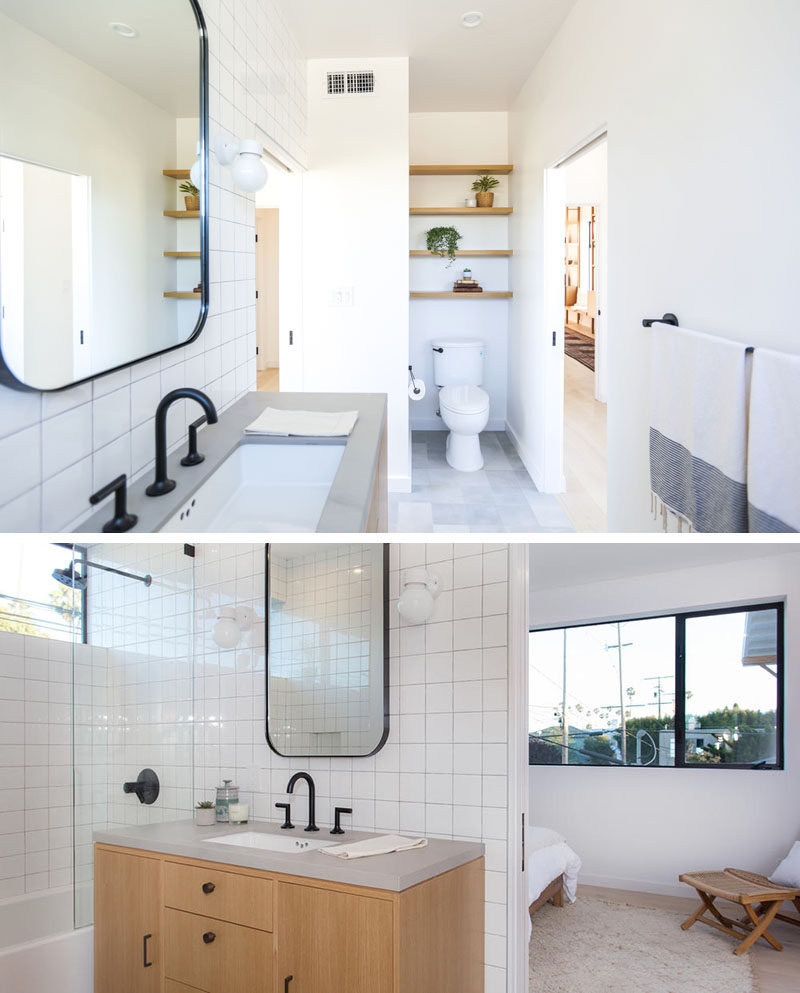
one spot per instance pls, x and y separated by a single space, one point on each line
161 64
452 68
554 566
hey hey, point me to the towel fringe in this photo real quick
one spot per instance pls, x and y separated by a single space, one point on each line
660 509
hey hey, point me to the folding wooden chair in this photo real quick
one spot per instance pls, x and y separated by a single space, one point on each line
760 898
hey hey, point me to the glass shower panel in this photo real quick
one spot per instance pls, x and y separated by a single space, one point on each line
133 688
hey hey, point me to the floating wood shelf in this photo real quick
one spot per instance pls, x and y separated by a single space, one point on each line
505 295
460 170
177 295
176 173
181 214
182 255
477 253
461 210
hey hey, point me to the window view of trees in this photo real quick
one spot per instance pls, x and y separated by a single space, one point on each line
605 694
32 602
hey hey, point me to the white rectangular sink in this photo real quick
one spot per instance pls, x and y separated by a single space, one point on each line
263 487
272 842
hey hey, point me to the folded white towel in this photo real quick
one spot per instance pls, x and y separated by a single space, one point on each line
698 427
773 461
304 423
382 845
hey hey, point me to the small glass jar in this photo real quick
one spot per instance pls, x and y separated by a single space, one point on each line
226 795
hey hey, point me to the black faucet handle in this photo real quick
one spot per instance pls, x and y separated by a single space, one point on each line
287 809
122 520
337 813
193 457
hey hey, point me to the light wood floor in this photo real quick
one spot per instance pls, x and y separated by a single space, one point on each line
775 972
584 450
269 380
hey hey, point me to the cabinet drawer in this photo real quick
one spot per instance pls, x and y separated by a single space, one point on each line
234 959
227 896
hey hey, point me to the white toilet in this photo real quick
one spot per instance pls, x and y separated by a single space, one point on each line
464 406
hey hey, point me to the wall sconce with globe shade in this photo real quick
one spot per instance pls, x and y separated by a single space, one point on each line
231 623
420 589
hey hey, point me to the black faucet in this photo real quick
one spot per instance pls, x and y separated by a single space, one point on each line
311 797
162 483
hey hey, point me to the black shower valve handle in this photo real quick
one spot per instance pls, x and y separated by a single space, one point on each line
146 787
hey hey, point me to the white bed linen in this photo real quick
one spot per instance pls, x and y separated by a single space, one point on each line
545 865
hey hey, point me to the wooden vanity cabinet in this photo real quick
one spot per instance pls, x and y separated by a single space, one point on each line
218 928
128 905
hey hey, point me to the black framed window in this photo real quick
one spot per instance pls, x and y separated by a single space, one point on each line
696 689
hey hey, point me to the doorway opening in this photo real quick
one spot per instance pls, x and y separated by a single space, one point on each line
577 190
268 298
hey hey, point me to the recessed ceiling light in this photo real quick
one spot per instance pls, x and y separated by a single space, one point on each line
124 30
472 19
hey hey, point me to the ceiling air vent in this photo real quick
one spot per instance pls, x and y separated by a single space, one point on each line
350 83
336 83
361 82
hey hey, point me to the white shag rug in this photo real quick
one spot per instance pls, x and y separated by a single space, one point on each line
596 947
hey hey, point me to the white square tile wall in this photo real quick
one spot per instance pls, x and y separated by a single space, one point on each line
443 770
65 445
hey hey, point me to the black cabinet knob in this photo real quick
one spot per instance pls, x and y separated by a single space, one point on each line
208 888
145 939
208 937
286 983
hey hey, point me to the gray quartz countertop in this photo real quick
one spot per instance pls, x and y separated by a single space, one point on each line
396 872
347 507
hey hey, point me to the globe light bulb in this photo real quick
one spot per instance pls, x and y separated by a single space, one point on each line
226 630
416 602
249 172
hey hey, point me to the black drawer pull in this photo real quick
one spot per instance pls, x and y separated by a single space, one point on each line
208 937
145 963
286 983
208 888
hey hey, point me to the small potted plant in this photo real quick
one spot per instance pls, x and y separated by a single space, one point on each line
483 187
443 242
205 814
192 197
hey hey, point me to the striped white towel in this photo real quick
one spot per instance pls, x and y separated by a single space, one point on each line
698 428
304 423
773 459
384 844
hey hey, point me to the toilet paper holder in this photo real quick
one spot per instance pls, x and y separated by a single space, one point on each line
412 380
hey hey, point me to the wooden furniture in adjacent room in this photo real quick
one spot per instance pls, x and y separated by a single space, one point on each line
760 898
580 292
181 925
554 893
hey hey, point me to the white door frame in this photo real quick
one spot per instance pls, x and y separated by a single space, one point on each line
518 790
553 310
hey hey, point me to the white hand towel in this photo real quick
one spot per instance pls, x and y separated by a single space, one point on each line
304 423
773 461
382 845
698 427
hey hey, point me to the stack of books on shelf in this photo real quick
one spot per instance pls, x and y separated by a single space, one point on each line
467 286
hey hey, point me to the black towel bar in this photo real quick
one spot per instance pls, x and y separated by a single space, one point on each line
648 322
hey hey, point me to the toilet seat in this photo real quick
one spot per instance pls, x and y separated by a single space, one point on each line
464 399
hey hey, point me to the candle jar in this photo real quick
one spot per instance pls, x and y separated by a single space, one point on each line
238 813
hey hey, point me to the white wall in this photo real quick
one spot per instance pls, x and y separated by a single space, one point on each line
472 138
355 236
700 165
640 828
65 445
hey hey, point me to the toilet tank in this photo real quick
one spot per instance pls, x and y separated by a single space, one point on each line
459 363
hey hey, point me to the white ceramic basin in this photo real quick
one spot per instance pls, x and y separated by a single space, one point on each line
263 487
272 842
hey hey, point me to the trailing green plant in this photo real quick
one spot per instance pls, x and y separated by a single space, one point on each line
189 189
444 242
205 805
485 183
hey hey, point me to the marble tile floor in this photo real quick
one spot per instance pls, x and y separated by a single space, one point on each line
501 497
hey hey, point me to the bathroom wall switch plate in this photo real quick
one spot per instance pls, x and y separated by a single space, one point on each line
342 296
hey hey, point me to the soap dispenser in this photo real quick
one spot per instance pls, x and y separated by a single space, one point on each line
226 795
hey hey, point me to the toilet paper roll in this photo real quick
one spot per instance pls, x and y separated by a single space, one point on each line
418 385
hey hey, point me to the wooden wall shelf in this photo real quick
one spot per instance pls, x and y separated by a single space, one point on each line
460 170
182 255
177 295
460 210
175 173
182 215
477 253
505 295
